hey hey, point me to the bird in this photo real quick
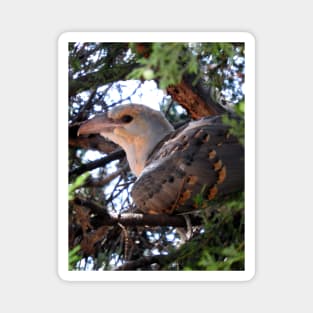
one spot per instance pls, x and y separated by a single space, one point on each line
172 166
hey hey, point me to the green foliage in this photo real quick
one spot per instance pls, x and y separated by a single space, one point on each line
79 181
218 51
167 63
222 62
237 126
220 243
218 64
199 200
233 259
73 257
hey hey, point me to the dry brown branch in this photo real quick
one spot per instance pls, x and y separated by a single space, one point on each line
195 98
135 219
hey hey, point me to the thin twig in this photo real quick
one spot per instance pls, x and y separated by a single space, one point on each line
118 154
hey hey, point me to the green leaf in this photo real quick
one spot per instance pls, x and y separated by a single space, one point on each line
241 106
73 257
79 181
229 251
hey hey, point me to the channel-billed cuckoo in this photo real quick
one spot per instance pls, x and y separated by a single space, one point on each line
172 166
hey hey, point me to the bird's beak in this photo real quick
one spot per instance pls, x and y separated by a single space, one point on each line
96 125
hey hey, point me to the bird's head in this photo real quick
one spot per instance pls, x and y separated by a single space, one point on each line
136 128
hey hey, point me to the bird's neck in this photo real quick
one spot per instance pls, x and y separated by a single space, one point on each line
138 153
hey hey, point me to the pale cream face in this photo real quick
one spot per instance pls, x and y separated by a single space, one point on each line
140 129
136 128
132 121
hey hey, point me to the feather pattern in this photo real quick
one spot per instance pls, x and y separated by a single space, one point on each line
201 157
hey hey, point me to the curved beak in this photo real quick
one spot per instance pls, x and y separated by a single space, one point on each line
97 124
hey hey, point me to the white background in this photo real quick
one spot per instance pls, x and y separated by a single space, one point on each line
28 232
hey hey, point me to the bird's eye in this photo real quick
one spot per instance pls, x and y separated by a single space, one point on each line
126 118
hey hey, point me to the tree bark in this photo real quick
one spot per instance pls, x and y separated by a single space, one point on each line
196 97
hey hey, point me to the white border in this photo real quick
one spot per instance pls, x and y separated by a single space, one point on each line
249 271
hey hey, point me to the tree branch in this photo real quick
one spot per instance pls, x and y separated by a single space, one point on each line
195 98
145 261
103 77
134 219
93 142
97 163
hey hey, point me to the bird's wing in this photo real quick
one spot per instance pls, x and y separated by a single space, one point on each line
202 157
